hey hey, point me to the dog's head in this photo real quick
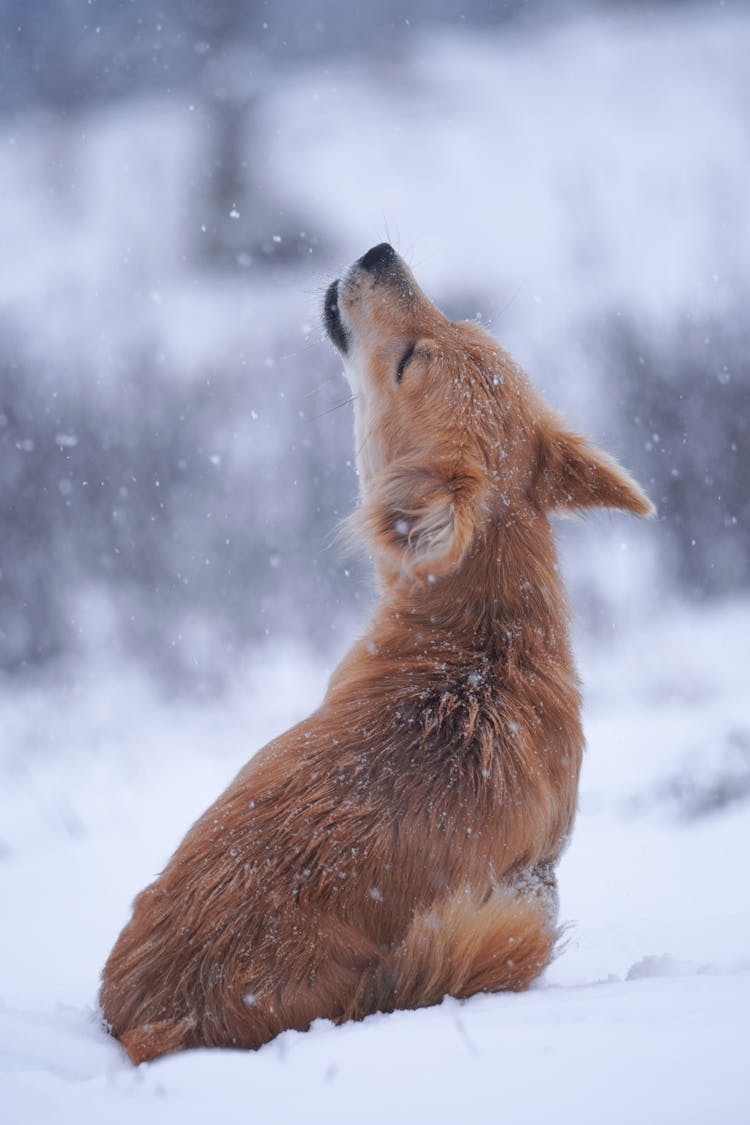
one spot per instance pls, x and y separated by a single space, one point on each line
450 433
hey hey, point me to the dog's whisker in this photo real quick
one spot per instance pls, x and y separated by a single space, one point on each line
331 409
511 300
321 386
364 443
302 349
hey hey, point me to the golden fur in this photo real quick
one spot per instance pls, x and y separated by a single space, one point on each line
400 843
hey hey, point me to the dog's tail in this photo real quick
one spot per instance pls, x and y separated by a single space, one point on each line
151 1040
463 946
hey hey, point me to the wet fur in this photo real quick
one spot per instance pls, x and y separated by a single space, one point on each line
400 843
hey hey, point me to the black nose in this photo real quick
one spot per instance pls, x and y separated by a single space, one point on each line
379 258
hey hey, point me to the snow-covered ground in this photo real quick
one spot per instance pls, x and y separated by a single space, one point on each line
644 1016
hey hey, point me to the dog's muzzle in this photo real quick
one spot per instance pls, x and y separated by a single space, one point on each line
380 263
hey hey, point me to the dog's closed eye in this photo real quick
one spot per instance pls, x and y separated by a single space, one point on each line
404 361
419 350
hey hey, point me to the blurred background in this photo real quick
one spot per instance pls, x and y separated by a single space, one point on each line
180 179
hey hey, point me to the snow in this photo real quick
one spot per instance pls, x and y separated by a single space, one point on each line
556 172
643 1016
567 171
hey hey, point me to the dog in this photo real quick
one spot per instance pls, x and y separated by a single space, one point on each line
400 844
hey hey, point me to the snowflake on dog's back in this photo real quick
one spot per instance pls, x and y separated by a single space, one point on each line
459 730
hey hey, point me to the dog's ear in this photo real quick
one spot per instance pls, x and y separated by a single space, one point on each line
423 520
573 473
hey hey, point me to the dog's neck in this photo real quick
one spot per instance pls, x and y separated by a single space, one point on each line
505 606
507 590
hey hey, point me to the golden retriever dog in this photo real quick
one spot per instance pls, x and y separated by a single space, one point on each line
399 844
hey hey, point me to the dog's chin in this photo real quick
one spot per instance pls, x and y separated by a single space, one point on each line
337 331
354 374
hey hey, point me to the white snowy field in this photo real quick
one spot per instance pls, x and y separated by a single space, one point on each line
644 1016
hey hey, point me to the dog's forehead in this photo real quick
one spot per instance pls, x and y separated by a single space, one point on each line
391 313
